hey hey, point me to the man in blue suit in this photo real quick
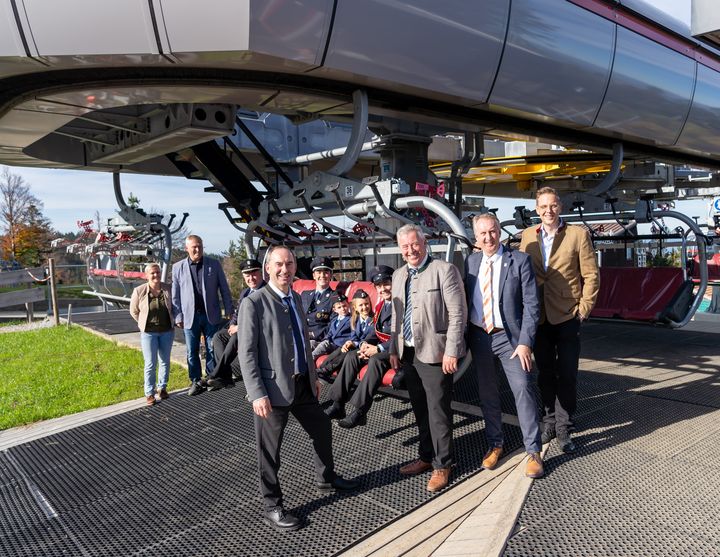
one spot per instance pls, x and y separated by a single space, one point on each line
196 283
504 312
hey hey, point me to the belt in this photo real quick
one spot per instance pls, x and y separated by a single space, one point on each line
495 330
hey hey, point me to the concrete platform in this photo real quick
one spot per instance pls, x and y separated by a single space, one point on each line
644 480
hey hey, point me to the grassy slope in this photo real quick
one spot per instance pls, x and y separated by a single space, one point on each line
53 372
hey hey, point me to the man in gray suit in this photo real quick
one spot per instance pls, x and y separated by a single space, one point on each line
280 377
504 313
196 282
427 337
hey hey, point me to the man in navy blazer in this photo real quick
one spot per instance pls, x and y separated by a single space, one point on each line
196 283
504 312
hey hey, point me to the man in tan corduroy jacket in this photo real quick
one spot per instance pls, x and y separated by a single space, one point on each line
568 282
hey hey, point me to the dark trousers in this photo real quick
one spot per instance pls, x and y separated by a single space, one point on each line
486 351
269 434
225 347
557 353
430 396
334 361
378 365
344 386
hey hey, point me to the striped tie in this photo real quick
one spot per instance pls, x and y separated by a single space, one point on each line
486 288
407 317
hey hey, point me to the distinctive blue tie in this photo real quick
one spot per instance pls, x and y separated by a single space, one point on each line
302 366
407 317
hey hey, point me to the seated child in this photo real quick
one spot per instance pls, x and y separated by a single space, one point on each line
361 323
339 331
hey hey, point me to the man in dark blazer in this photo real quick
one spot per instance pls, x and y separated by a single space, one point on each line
280 378
374 351
428 337
225 340
318 303
504 312
568 280
198 285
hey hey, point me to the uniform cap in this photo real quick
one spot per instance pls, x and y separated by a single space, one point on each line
380 274
360 293
321 263
248 265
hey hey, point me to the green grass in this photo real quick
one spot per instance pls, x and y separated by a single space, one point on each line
53 372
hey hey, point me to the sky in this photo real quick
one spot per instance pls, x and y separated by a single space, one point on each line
69 196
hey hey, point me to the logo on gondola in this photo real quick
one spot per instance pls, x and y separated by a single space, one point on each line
716 205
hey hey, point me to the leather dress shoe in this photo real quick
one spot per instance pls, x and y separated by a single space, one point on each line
217 383
281 520
534 466
335 411
415 467
355 418
150 400
338 484
439 479
492 457
163 394
565 442
548 434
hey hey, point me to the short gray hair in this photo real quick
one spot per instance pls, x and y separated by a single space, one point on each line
149 266
406 229
489 216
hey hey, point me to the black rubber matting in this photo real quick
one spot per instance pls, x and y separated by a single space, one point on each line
645 479
180 478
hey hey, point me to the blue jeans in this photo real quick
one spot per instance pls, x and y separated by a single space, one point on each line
154 344
200 326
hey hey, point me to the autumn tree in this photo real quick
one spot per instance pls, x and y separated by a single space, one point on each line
26 233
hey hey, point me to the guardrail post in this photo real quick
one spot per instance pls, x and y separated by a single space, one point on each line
53 291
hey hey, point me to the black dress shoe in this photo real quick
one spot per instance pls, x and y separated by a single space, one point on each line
335 411
281 520
565 442
338 484
217 383
355 418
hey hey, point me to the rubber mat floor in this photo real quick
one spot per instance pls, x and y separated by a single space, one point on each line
180 478
645 480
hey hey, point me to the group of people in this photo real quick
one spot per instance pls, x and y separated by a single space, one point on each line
506 306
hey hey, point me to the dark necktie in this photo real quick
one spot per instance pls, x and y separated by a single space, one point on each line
297 335
407 317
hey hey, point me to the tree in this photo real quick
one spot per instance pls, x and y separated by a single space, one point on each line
235 253
26 232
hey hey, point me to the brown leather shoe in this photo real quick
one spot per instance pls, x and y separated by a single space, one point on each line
439 479
534 467
163 394
415 467
491 458
150 400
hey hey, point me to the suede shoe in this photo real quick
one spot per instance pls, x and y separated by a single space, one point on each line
196 388
415 467
335 411
548 434
355 418
163 394
439 479
565 442
534 466
338 484
281 520
492 457
150 400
